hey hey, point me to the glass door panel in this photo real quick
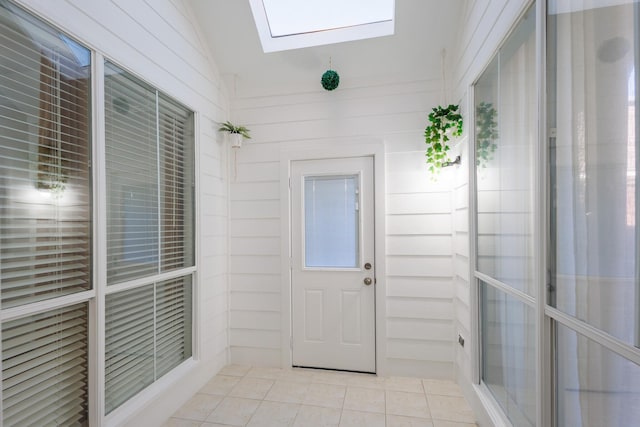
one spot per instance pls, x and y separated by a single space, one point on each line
505 120
505 143
596 387
593 57
509 354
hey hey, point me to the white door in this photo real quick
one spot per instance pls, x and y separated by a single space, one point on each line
332 264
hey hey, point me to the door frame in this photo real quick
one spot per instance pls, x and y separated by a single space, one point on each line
338 149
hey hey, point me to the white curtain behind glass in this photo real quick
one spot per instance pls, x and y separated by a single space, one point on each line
594 206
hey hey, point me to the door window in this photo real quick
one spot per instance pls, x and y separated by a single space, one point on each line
331 221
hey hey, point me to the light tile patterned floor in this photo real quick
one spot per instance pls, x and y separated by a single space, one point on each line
256 397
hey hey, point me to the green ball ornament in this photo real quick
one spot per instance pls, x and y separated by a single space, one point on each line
330 80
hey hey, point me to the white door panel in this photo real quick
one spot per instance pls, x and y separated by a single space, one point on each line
333 310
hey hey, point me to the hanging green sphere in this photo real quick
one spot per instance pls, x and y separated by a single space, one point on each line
330 80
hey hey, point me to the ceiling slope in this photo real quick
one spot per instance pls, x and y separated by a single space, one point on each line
423 29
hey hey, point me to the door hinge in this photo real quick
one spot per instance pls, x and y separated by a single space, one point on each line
291 342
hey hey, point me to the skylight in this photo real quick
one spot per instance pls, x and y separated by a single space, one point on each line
292 24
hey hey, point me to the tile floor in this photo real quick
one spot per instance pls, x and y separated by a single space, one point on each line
246 396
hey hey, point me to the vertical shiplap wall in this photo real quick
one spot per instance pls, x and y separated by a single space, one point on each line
485 23
159 42
419 301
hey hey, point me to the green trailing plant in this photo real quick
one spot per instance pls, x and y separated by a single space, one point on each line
486 133
444 124
231 128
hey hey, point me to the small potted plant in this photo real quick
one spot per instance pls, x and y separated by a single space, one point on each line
445 123
236 133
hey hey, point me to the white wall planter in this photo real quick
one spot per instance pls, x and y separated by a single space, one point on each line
236 140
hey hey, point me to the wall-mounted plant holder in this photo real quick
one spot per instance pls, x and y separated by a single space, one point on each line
457 161
236 140
236 134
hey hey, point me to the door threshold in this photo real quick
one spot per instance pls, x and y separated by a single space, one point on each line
334 370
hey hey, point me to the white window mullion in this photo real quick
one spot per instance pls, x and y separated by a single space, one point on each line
97 308
544 389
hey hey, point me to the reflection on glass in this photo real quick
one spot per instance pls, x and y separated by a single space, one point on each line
45 183
149 178
596 387
505 121
331 221
593 57
508 354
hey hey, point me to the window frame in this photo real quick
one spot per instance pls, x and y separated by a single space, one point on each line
95 297
146 395
315 38
547 318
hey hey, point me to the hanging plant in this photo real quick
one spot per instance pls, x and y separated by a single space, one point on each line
236 133
330 80
486 133
231 128
445 123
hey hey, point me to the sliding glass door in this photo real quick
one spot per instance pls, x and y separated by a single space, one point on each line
558 270
592 116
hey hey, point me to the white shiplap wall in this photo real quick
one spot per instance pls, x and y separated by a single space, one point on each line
485 23
419 302
159 42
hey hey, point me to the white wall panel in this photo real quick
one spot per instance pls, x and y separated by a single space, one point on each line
254 227
243 282
258 301
418 216
419 245
419 329
424 266
439 224
420 308
422 203
420 287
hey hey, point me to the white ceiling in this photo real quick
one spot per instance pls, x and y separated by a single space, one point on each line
423 29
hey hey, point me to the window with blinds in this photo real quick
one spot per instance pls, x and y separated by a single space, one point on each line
45 181
45 221
148 333
150 176
46 228
150 228
44 369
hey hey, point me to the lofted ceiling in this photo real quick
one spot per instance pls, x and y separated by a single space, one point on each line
423 29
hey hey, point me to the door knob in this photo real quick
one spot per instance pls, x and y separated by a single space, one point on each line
368 281
367 266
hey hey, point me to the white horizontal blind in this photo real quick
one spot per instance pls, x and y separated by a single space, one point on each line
129 344
150 180
45 198
132 177
173 323
148 333
150 228
176 184
44 369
